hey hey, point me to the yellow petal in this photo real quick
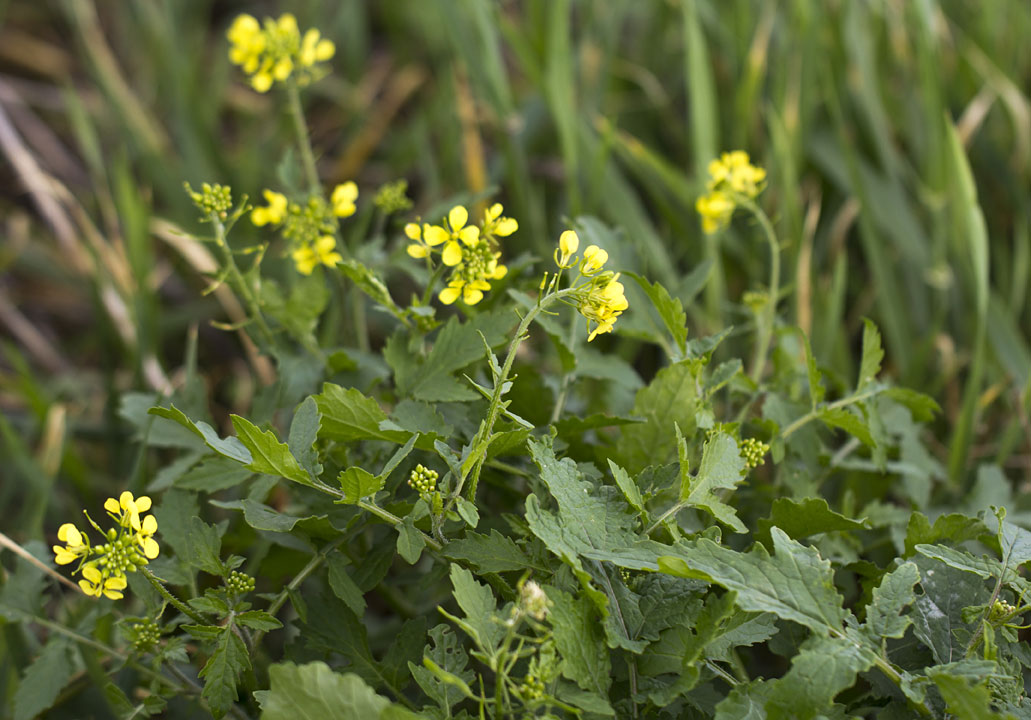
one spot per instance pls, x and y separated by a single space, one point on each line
435 235
472 295
499 272
111 505
89 588
494 211
452 254
325 50
91 573
568 242
150 525
143 504
469 235
282 69
259 216
125 500
449 294
69 534
261 82
62 556
418 251
505 227
457 218
413 231
115 583
150 548
113 594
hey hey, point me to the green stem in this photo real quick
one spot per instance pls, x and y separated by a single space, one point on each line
672 511
395 520
172 599
238 281
769 312
813 414
482 440
303 141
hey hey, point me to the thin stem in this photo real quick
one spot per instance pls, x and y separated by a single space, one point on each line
30 558
769 312
672 511
395 520
237 279
172 599
303 141
813 414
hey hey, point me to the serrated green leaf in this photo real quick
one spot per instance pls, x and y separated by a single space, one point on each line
269 455
213 474
262 517
410 541
579 639
448 656
966 699
468 512
346 635
204 545
358 483
304 431
670 399
229 447
873 354
343 586
670 309
954 527
628 487
489 553
722 468
258 620
884 613
794 583
315 691
479 606
222 671
938 612
119 701
347 415
805 517
44 679
923 407
824 667
848 421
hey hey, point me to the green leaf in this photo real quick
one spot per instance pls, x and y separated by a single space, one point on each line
44 679
262 517
479 606
302 692
923 407
410 541
270 456
628 487
304 431
966 699
938 612
343 586
456 346
229 447
954 527
795 583
670 399
884 613
489 553
805 517
346 635
358 483
722 468
449 657
347 415
258 620
580 642
223 670
670 309
850 422
816 388
204 545
213 474
824 667
148 707
870 364
468 512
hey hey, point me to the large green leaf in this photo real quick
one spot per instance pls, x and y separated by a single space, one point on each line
669 401
670 310
884 614
269 455
223 670
824 667
722 468
229 447
794 583
805 517
315 692
348 415
44 679
580 642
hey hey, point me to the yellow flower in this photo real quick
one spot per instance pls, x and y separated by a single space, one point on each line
275 51
126 509
322 252
74 545
471 292
273 213
314 49
419 247
95 584
454 230
602 304
343 198
496 225
594 259
568 243
248 42
716 209
145 537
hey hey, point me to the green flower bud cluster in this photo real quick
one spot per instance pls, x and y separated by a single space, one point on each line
423 481
753 451
393 197
144 635
533 600
532 687
217 199
239 583
305 224
1001 610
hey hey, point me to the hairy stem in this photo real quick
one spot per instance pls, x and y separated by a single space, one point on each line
172 599
303 141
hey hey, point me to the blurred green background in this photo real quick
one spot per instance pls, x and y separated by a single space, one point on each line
561 109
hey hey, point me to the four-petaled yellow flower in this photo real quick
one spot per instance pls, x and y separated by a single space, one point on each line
594 260
273 213
343 198
126 509
322 252
732 178
275 51
145 537
95 583
420 247
455 230
74 545
496 225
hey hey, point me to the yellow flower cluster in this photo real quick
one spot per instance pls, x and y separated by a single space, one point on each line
130 546
731 177
276 50
311 229
470 250
601 299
